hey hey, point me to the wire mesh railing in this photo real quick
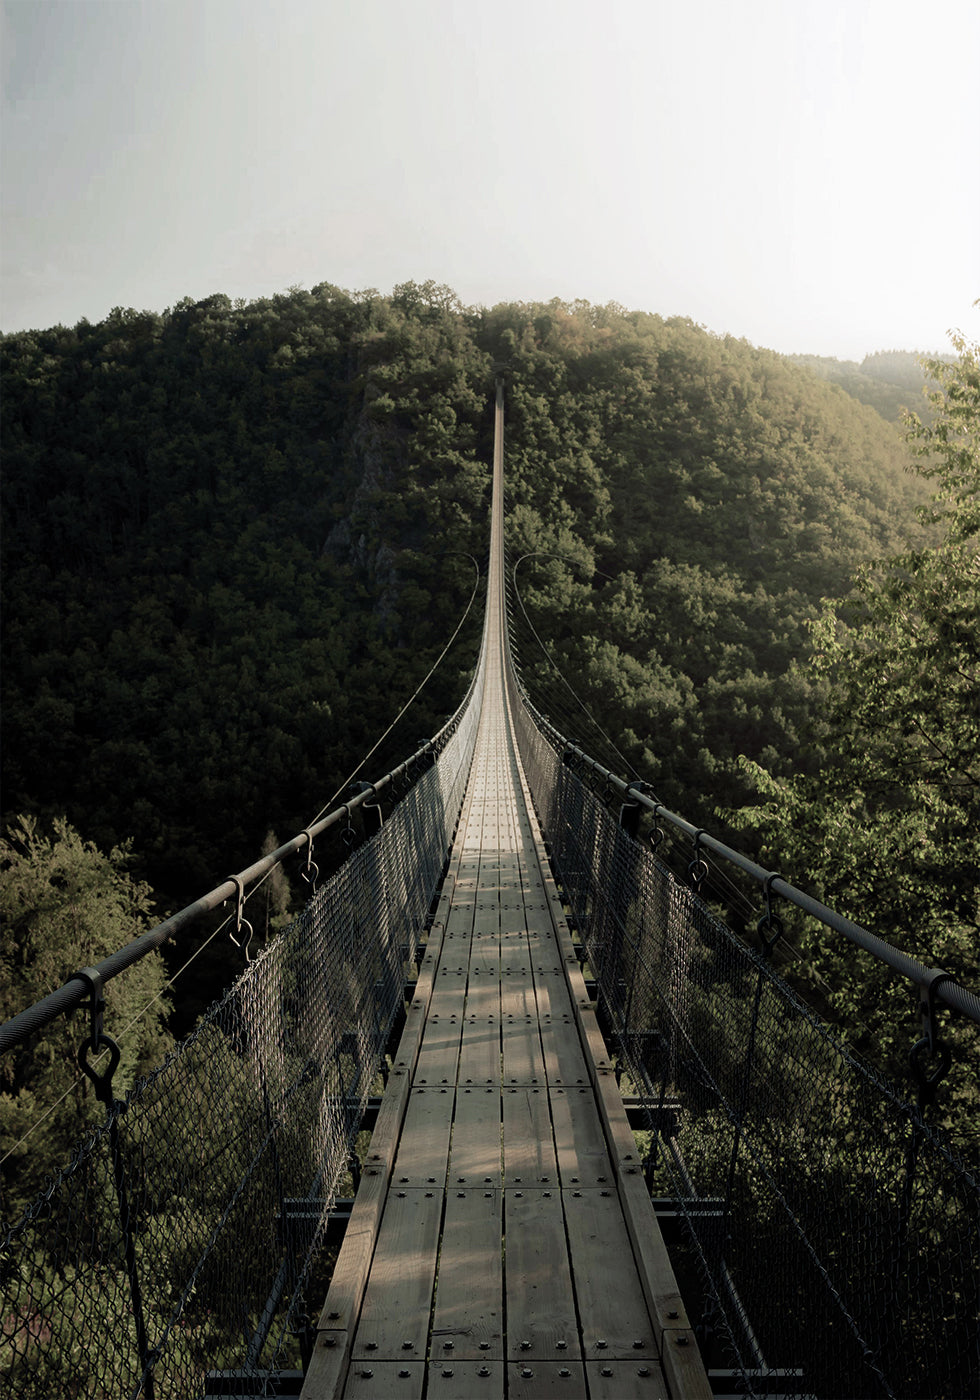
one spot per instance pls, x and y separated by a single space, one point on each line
168 1258
831 1231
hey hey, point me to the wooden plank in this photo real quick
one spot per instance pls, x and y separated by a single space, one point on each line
541 1323
452 1379
580 1144
468 1321
394 1321
683 1366
615 1323
479 1054
349 1278
485 954
327 1368
523 1057
439 1052
474 1155
423 1151
656 1271
385 1380
548 1380
628 1380
529 1149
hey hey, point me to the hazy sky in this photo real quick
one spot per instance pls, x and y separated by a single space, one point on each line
804 173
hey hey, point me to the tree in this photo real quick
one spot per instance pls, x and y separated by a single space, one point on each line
66 905
888 828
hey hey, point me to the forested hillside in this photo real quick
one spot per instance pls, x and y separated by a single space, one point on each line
236 534
891 381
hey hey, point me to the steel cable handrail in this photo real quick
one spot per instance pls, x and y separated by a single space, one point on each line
931 981
76 989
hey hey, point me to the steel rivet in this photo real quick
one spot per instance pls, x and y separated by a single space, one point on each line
372 1346
682 1341
637 1345
447 1370
564 1371
333 1315
602 1343
527 1373
525 1346
447 1346
561 1345
367 1374
407 1346
672 1314
643 1371
606 1371
404 1375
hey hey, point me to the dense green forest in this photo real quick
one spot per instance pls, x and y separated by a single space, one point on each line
236 539
891 381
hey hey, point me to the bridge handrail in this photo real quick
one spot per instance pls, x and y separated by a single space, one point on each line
932 981
77 988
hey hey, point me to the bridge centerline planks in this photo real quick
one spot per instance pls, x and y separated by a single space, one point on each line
504 1263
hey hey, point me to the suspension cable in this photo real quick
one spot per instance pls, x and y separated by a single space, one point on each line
354 772
551 660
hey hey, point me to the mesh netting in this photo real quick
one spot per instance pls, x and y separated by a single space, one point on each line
832 1231
177 1240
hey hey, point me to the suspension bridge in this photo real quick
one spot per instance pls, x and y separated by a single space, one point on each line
615 1156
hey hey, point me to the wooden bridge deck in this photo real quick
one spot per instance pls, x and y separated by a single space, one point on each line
502 1242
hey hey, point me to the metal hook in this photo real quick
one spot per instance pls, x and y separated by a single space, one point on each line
770 926
931 1044
97 1039
93 981
311 872
240 921
698 867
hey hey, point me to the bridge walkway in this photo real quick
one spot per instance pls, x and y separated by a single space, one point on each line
502 1241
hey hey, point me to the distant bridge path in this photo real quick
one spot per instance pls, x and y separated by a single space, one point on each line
502 1241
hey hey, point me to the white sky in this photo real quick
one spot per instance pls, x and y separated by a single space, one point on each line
803 173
